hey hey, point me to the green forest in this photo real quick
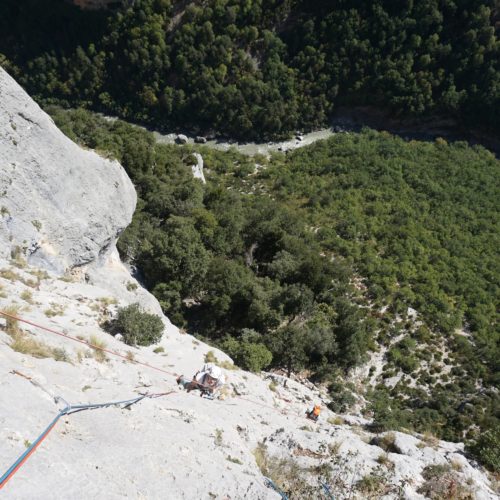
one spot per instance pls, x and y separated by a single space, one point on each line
311 260
258 69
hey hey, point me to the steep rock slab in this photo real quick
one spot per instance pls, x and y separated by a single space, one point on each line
60 205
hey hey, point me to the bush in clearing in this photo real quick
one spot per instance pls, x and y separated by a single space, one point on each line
137 326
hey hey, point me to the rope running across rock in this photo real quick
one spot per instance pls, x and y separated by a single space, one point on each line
68 410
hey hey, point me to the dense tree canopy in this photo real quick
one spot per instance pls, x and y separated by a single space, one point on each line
314 260
258 68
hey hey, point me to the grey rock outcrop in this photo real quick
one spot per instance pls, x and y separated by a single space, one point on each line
181 139
198 168
78 202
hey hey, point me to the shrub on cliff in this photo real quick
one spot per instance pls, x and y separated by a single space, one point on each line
137 326
487 449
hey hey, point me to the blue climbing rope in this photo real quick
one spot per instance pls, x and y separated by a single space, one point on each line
270 484
17 464
328 491
68 410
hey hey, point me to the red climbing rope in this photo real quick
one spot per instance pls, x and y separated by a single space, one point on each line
66 336
68 410
114 353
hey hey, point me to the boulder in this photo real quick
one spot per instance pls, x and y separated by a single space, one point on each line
181 139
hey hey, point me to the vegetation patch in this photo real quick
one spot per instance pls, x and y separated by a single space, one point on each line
372 485
273 386
10 275
11 324
387 442
54 310
137 326
251 356
286 473
27 295
336 420
441 482
487 449
210 357
25 343
97 345
218 437
322 263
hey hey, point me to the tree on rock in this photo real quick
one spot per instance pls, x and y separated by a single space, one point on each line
137 326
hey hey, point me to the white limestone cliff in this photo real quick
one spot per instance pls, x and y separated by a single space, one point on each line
61 206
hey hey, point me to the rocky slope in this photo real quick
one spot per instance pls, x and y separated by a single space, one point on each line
180 445
66 275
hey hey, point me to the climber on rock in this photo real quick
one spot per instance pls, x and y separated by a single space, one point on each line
207 380
313 413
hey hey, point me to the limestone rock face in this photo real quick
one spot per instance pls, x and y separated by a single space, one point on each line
198 168
60 205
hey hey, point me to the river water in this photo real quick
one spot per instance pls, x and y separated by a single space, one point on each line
253 148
